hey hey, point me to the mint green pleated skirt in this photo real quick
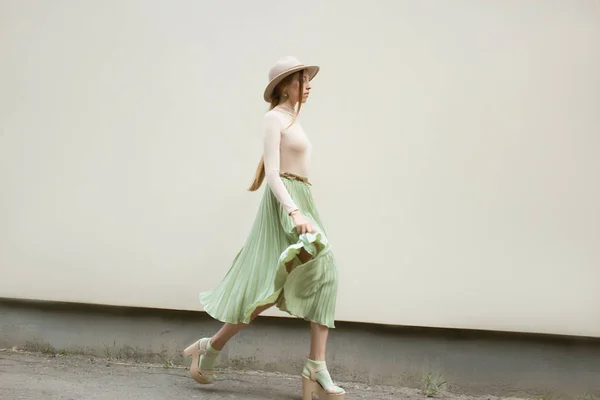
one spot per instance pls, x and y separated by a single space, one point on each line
258 274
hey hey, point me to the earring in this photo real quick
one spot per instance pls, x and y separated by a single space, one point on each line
285 96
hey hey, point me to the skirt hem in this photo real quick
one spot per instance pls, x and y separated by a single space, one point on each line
313 243
268 269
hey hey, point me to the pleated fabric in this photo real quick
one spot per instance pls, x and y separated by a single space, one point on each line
258 274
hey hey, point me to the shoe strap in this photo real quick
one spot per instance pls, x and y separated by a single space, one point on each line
203 349
334 389
313 371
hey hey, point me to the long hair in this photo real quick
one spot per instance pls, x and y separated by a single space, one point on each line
259 176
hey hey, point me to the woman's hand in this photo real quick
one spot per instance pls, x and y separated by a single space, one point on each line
303 224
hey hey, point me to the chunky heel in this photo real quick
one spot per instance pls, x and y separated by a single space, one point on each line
308 388
311 384
190 350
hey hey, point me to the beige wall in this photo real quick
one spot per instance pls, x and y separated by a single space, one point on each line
456 152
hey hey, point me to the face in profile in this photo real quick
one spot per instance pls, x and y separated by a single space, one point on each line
294 89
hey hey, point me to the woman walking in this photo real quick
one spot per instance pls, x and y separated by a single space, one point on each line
286 260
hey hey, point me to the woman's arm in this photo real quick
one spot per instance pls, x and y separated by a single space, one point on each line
272 143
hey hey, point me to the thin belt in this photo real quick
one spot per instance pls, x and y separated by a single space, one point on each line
291 176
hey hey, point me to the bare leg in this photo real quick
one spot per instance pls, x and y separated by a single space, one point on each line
318 341
316 365
318 333
316 360
206 350
227 331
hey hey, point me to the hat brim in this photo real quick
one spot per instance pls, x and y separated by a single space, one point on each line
312 70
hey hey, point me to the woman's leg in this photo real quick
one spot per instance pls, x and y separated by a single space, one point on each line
316 368
206 350
318 333
227 331
318 341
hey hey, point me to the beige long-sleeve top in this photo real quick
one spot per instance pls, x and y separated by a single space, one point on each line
285 150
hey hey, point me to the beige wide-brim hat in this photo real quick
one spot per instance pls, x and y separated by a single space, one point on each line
283 68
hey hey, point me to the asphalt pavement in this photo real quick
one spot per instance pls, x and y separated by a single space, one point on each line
32 376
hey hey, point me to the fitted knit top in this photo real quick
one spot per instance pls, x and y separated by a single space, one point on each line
285 150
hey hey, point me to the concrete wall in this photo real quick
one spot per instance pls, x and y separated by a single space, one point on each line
456 152
471 362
